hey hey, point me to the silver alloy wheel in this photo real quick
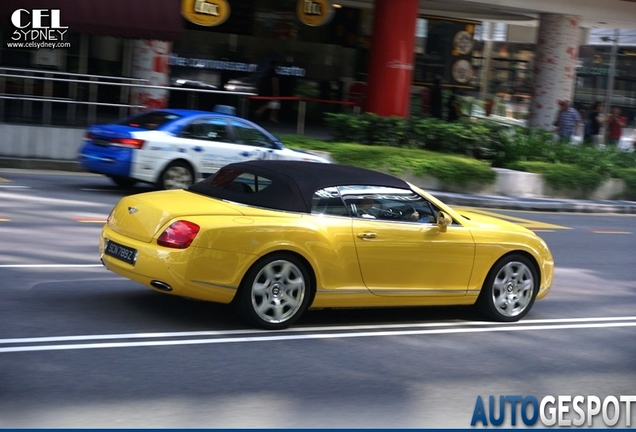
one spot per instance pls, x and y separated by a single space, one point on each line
177 177
513 289
278 291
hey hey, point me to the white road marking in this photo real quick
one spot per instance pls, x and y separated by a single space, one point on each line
27 199
49 265
309 333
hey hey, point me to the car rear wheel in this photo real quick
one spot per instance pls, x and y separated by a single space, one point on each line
275 292
177 175
125 182
510 289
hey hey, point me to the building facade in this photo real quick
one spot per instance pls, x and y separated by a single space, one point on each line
116 54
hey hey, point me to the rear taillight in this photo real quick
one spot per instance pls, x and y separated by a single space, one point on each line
88 136
127 142
179 235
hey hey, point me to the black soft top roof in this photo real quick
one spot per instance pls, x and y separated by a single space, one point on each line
293 183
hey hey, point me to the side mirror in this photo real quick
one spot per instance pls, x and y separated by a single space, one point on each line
443 220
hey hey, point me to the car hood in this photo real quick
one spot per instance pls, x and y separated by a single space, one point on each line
141 216
307 156
478 220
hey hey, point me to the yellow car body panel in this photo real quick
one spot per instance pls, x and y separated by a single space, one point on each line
406 259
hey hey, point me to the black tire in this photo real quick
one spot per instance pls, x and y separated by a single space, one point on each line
177 175
275 292
125 182
510 289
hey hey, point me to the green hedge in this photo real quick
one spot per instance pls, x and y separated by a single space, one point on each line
629 175
565 166
451 169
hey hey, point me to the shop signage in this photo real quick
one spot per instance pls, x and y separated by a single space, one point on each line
595 71
314 12
449 50
200 63
207 13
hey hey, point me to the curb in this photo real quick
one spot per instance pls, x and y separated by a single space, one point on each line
45 164
538 204
495 202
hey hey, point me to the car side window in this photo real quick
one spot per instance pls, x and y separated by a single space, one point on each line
207 129
392 204
327 201
248 135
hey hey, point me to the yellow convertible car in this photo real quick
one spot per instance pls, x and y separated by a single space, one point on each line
277 237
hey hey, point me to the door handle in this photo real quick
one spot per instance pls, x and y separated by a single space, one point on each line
367 235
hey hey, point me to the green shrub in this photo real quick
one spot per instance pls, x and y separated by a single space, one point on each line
564 176
629 175
518 143
451 169
564 166
463 137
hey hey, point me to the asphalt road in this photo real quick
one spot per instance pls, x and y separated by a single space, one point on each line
82 347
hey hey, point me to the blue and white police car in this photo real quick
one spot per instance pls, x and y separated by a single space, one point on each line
173 148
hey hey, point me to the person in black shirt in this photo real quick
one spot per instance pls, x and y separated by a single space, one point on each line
270 86
593 124
436 99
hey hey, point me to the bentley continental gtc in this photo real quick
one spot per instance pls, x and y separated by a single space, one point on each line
275 238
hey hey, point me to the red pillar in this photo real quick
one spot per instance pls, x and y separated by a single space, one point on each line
391 57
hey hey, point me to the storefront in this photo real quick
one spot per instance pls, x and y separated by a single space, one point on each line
316 46
321 50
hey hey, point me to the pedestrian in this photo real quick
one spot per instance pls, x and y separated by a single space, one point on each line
454 108
615 125
270 86
593 124
567 121
489 104
436 99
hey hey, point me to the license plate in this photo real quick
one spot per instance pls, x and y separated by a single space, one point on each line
101 141
120 252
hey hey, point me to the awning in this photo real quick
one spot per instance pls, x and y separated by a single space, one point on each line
143 19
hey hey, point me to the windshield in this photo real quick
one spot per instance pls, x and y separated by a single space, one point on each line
149 120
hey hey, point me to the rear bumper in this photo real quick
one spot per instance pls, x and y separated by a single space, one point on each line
201 274
110 161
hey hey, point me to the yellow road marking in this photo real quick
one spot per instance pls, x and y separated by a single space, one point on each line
4 219
528 223
4 180
604 231
101 220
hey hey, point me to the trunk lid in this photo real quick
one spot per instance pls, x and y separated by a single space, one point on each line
141 216
102 135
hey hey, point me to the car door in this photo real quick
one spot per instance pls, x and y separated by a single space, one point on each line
210 142
205 142
403 255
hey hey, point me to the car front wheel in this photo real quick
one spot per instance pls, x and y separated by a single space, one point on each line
177 175
510 289
275 292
